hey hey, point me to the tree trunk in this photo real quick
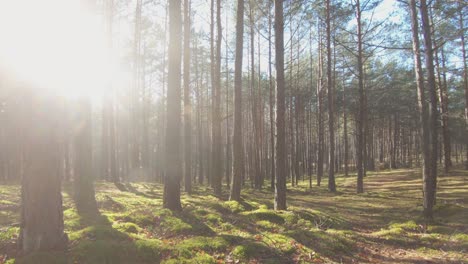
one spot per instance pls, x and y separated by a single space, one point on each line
465 78
187 102
216 129
331 128
83 185
173 159
361 115
41 199
430 182
237 136
280 190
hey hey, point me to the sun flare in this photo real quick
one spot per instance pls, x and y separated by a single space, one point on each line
56 46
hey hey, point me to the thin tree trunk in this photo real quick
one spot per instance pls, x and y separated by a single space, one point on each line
280 190
361 115
331 128
187 101
237 136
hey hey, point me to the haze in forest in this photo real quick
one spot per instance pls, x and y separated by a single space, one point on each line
247 131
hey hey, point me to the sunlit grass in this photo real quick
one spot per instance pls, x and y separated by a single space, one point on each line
318 227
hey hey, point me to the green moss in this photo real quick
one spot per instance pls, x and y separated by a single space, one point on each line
127 227
389 232
407 226
139 217
200 257
203 243
10 233
43 258
148 250
98 232
226 227
213 218
397 231
175 225
246 251
233 206
280 242
267 215
267 225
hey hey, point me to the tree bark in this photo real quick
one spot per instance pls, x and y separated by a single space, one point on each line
237 136
173 158
361 115
187 101
331 128
216 129
280 190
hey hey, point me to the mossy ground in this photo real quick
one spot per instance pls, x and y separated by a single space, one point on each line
383 225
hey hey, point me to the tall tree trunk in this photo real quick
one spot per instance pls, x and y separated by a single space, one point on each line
320 111
331 128
465 77
423 114
431 182
361 115
187 102
173 158
216 129
135 94
237 136
228 128
280 190
272 100
111 111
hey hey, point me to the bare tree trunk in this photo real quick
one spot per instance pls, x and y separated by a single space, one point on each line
173 158
465 78
280 190
216 129
237 136
320 111
272 100
431 182
187 102
331 121
361 115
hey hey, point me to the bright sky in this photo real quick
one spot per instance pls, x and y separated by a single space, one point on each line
58 46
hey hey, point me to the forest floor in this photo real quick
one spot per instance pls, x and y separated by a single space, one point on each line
383 225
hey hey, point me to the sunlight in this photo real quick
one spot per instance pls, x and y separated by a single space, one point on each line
57 46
